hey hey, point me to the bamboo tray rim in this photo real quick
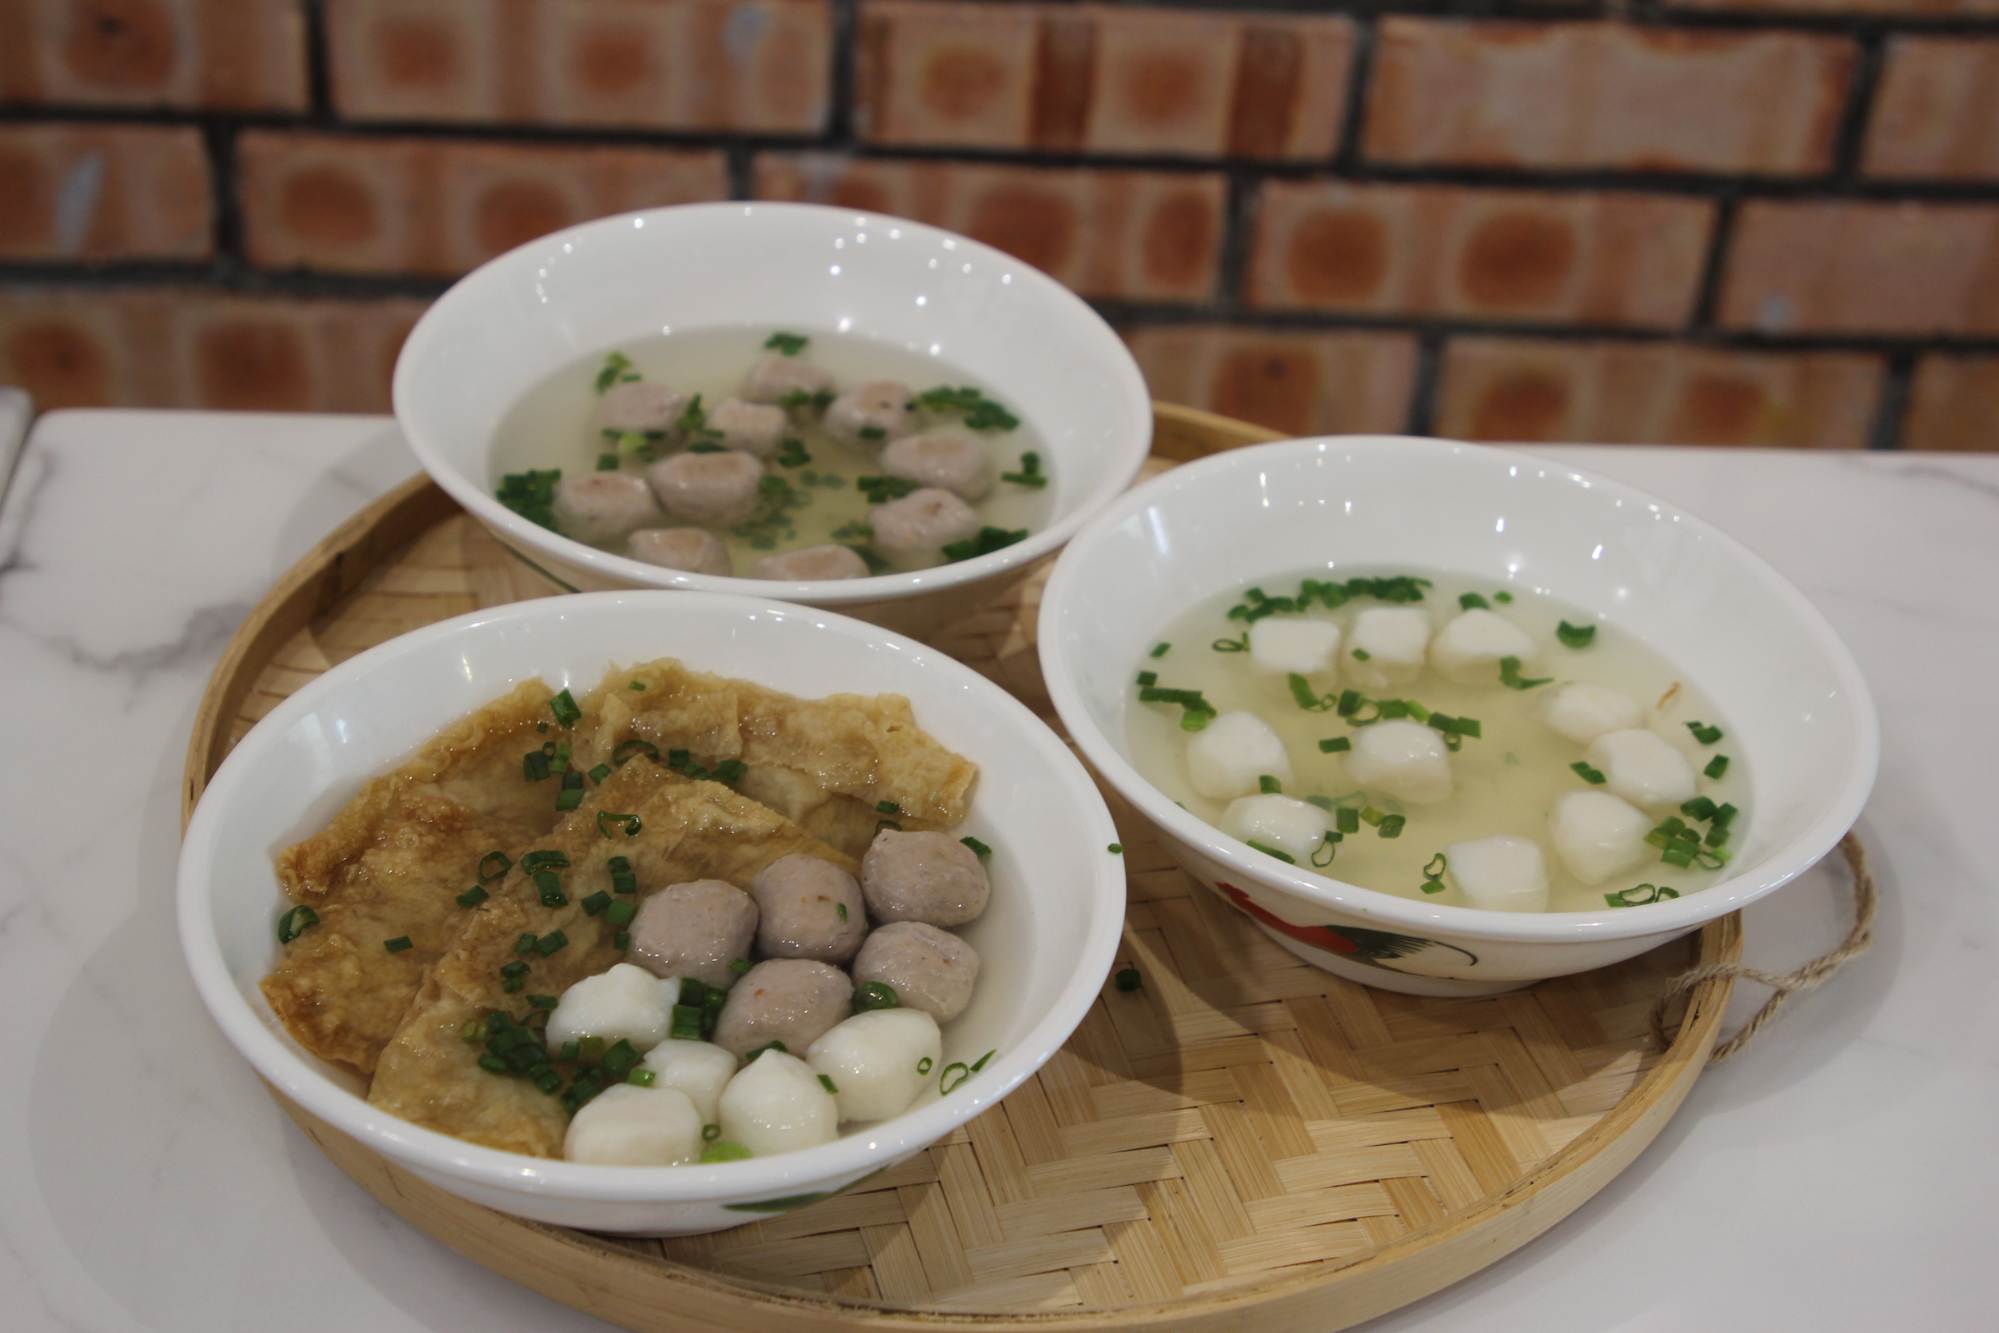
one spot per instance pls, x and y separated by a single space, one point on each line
322 580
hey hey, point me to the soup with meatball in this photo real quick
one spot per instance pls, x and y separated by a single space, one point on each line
773 454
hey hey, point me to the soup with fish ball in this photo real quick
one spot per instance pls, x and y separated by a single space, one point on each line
1437 736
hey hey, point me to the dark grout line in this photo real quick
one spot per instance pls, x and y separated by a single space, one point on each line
840 89
1896 386
318 65
1428 380
1238 234
1715 270
1345 168
1346 156
1850 137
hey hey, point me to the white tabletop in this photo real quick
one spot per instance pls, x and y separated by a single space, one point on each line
1838 1175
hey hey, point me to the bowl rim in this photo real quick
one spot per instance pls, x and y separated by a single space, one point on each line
1125 379
849 1156
1068 587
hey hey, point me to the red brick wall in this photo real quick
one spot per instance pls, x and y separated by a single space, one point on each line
1699 221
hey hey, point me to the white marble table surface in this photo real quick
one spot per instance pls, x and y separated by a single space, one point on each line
1840 1175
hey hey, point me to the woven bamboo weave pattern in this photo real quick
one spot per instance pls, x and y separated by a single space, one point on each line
1243 1142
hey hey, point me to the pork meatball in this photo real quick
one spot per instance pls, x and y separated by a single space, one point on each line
948 460
695 550
871 413
715 490
791 1000
773 378
754 428
927 877
914 530
808 908
640 405
811 562
927 968
601 507
695 929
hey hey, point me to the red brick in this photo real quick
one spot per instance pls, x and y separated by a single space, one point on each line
1902 268
1954 405
1098 79
1937 110
1896 9
242 54
1580 95
753 65
103 192
117 347
363 205
1298 383
1655 393
1612 258
1139 235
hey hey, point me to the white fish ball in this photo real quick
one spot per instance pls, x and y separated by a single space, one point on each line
1385 646
777 1104
1307 647
627 1125
701 1069
624 1001
1500 874
1406 760
1468 650
1291 826
878 1061
1597 835
1582 712
1225 758
1643 767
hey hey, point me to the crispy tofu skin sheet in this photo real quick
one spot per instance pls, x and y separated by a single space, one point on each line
393 861
429 1073
823 763
390 864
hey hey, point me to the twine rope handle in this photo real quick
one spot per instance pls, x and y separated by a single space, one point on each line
1783 985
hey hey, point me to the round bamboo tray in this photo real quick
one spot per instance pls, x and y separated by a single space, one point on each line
1245 1142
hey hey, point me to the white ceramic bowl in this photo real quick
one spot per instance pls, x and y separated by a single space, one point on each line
1046 942
1030 341
1799 712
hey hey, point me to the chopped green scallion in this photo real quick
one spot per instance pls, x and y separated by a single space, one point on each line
296 922
1575 636
1510 677
563 705
398 944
